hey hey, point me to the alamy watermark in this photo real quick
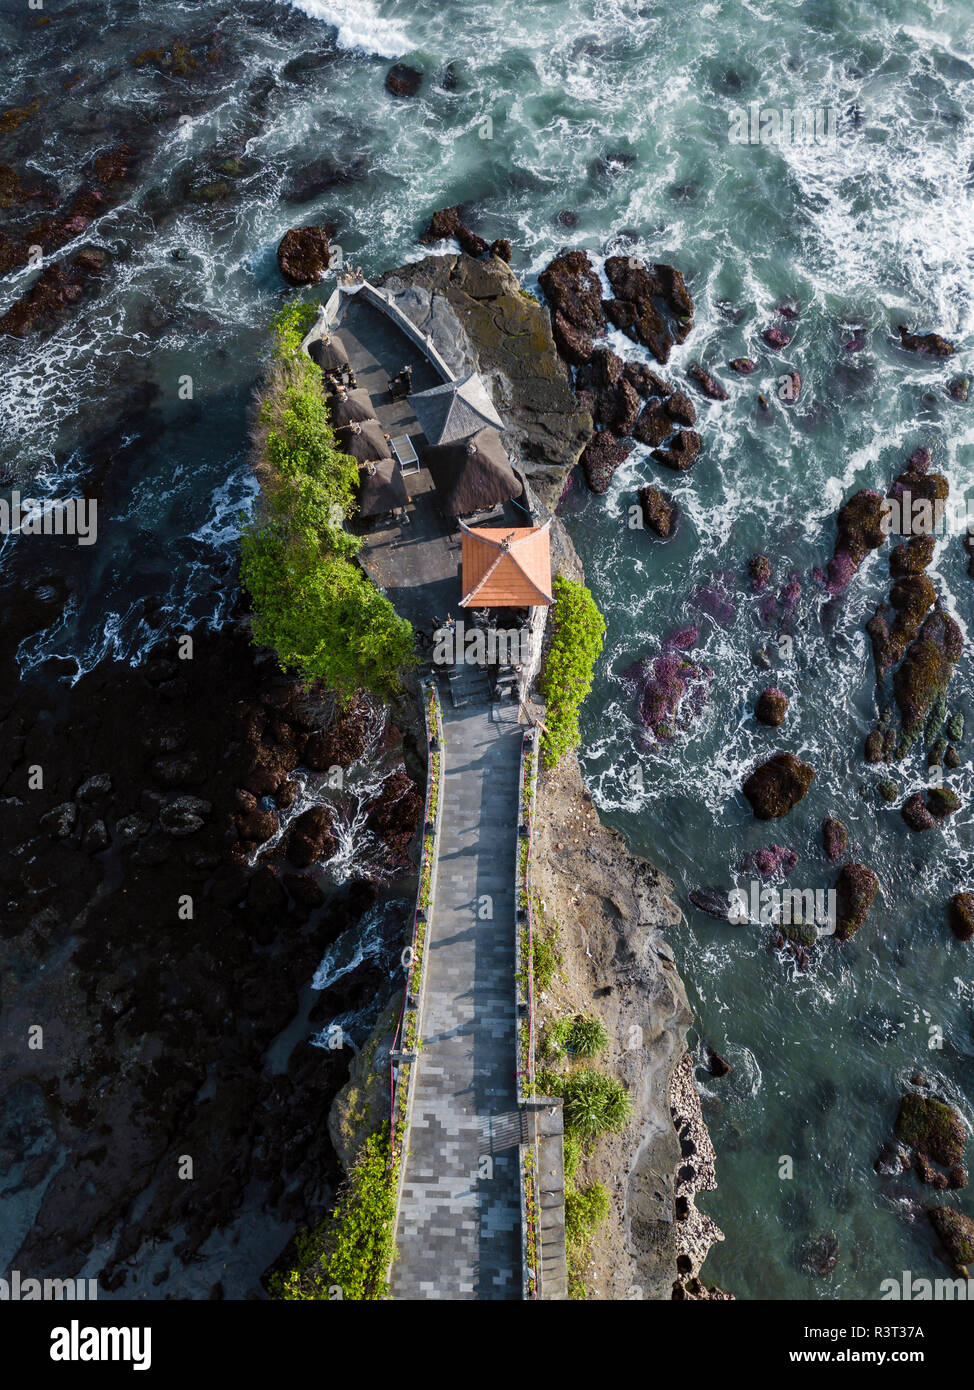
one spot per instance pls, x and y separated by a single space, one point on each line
912 1290
50 516
18 1289
768 904
456 644
907 515
763 125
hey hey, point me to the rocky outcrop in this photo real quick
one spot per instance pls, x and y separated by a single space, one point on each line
601 457
771 707
304 254
660 512
960 914
835 837
574 293
481 320
641 293
855 889
448 222
929 344
777 786
956 1233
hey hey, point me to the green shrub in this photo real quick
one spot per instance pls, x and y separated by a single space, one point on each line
350 1251
310 602
581 1036
584 1212
593 1102
578 634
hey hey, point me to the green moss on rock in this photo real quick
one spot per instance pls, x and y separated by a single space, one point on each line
932 1127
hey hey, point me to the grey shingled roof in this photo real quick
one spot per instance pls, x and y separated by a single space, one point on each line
455 410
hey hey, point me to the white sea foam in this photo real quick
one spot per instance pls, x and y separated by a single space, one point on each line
360 26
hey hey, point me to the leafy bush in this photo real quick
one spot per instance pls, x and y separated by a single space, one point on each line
578 634
351 1251
581 1036
593 1102
573 1155
584 1211
311 604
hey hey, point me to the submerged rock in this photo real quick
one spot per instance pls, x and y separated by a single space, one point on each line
403 80
769 861
776 338
835 837
931 344
956 1233
960 914
819 1254
776 786
706 384
855 889
744 365
931 1127
714 901
771 707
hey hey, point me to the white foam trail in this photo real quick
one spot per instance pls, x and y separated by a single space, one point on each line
359 26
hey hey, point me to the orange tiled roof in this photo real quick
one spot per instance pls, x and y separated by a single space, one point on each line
506 567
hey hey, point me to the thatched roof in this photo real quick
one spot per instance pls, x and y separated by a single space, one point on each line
381 488
328 352
473 475
364 440
356 405
506 567
455 410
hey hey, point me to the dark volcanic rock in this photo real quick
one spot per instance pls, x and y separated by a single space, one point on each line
916 815
956 1233
931 1127
640 291
682 452
310 838
819 1254
304 254
744 365
835 837
403 81
448 222
653 425
855 889
660 512
714 901
717 1065
771 707
925 670
913 557
776 338
931 344
574 292
601 457
960 914
706 384
776 786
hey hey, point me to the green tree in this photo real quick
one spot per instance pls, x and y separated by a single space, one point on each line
578 634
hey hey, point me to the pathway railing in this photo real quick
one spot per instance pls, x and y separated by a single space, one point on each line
407 1041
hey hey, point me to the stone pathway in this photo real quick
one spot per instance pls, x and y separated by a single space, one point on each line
459 1233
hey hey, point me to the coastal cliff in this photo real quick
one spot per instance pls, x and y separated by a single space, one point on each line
611 906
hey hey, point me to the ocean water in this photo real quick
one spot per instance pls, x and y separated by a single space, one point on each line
618 114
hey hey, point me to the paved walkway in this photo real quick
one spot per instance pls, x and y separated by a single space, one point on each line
459 1233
